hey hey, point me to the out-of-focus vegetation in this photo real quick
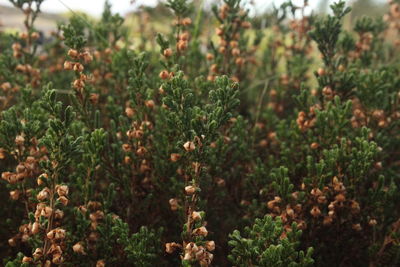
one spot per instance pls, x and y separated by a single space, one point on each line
179 136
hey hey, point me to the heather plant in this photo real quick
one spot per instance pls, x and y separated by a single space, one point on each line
267 141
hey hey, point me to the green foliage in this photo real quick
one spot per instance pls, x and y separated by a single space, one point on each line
170 150
264 245
141 248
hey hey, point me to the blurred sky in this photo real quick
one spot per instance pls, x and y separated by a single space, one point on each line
95 7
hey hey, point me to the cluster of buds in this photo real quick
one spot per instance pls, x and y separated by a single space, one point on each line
26 36
136 144
189 146
359 118
24 233
174 204
201 254
393 20
183 22
362 118
78 67
56 238
164 75
287 212
17 50
172 247
306 121
100 75
62 191
79 248
7 87
25 169
167 52
339 206
183 41
363 45
318 198
95 216
229 36
379 116
32 74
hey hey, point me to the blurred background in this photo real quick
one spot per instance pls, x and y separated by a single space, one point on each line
140 13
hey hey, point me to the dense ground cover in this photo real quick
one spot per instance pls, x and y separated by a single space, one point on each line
275 143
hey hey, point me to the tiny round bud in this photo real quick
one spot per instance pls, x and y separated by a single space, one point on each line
190 190
315 211
201 231
35 228
78 67
12 242
87 57
171 247
189 146
35 35
63 200
78 248
19 140
73 53
184 36
239 61
175 157
26 259
62 190
57 259
246 24
340 198
210 245
94 98
100 263
68 65
327 220
167 52
214 68
164 75
327 91
357 227
16 46
372 222
23 35
235 52
38 253
129 112
186 21
149 103
314 145
182 45
14 195
196 216
173 202
321 72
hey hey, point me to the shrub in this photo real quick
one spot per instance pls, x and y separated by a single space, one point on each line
271 143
